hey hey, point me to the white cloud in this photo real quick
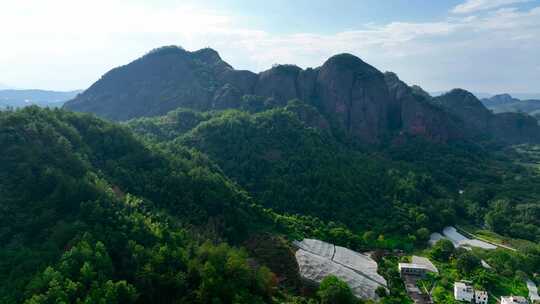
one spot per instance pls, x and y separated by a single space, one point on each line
65 44
101 16
471 6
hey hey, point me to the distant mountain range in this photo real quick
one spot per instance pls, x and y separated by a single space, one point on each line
484 95
507 103
42 98
360 101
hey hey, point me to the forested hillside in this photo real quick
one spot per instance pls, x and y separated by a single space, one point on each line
197 195
88 212
289 159
291 164
91 210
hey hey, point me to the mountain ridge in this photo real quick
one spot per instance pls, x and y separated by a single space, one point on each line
503 103
361 101
20 98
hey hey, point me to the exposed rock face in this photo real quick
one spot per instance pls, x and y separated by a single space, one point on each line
244 81
355 93
227 97
279 83
369 105
478 120
466 107
418 91
160 81
307 80
418 115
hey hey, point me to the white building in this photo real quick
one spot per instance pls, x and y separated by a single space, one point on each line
480 297
463 292
412 269
514 300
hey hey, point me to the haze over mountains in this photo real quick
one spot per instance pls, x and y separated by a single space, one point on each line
506 103
355 97
22 98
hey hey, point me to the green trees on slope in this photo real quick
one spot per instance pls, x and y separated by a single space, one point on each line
89 212
334 291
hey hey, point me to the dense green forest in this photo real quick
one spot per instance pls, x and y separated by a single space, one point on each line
199 207
89 213
290 165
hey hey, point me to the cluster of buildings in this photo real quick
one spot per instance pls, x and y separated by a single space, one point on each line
463 291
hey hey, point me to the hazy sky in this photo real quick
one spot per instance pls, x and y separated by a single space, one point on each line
480 45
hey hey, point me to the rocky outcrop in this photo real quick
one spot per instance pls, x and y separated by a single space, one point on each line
418 115
420 92
464 106
279 83
227 97
244 81
356 94
307 80
477 120
162 80
350 94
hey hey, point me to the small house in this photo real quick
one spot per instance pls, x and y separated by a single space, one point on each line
514 300
480 297
463 292
410 269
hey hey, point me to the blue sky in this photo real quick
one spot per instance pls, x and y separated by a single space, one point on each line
480 45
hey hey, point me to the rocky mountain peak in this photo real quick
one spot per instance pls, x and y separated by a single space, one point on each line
464 106
356 97
356 94
500 99
460 99
419 91
209 56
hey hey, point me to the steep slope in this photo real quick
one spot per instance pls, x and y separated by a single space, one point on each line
351 94
505 103
355 98
467 108
356 94
478 120
89 211
418 115
289 160
160 81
